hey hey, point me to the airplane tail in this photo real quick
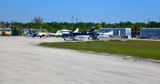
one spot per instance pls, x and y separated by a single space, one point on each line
76 31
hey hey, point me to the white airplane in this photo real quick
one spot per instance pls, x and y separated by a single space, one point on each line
63 31
105 35
43 34
60 32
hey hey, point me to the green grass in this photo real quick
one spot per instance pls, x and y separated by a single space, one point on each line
141 49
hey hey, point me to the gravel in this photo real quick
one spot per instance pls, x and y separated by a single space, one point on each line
22 61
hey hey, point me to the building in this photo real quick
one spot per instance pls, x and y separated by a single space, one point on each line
118 32
5 31
150 33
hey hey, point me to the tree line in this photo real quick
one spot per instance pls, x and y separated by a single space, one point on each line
37 23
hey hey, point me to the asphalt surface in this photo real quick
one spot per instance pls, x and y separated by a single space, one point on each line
22 61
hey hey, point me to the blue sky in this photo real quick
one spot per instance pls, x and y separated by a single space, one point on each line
109 11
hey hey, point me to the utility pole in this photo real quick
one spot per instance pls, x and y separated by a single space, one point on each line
0 25
72 22
76 22
11 24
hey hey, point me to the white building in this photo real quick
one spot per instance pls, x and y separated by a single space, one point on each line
118 32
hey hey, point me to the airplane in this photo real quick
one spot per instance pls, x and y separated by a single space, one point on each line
91 34
42 33
105 35
35 32
60 32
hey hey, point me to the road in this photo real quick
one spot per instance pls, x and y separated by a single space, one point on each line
22 61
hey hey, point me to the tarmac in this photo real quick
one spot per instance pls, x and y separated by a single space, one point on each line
22 61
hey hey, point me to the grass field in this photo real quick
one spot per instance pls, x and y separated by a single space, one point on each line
141 49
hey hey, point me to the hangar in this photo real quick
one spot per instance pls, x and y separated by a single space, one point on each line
118 32
150 33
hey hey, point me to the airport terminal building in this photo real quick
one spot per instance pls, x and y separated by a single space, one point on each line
118 32
150 33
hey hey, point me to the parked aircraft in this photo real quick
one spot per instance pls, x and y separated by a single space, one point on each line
64 32
91 34
42 33
106 35
61 32
35 32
